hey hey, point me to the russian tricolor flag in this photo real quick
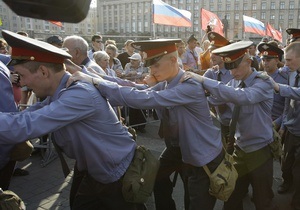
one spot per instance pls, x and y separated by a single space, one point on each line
167 15
254 26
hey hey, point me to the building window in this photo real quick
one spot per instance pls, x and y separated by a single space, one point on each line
291 16
254 6
236 7
236 16
245 6
272 5
227 7
219 7
227 16
292 5
282 5
263 5
263 15
272 17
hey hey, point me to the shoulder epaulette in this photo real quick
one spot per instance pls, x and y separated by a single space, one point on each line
283 74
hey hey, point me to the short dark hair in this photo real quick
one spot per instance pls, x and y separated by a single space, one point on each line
96 36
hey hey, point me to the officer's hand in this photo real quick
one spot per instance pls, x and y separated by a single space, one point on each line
187 75
14 78
150 80
83 77
275 85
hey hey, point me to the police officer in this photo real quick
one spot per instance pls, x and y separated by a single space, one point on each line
253 94
271 57
7 104
219 73
83 123
294 34
291 157
188 129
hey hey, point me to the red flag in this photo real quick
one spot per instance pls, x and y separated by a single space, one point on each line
274 33
211 19
57 23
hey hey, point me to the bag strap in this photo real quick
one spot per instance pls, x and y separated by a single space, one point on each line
64 165
206 169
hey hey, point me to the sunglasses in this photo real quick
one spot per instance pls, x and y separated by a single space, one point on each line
98 41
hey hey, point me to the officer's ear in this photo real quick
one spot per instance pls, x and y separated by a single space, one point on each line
44 71
72 11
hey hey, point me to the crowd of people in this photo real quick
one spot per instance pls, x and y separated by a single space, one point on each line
85 92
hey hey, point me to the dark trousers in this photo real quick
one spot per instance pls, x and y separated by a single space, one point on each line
290 165
6 173
137 116
89 194
198 183
170 162
255 168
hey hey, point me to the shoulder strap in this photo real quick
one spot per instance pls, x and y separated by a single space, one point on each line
64 165
206 169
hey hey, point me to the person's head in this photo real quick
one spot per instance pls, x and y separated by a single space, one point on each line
77 47
292 56
97 42
101 58
252 49
111 50
205 44
192 42
216 41
110 41
264 39
180 48
135 60
161 57
128 47
236 59
55 40
294 34
3 46
39 64
271 55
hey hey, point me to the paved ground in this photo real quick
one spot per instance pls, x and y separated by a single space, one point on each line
46 188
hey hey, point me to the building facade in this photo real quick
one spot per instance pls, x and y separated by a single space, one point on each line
134 17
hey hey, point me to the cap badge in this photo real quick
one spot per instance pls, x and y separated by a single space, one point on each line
212 36
32 58
227 59
265 46
265 53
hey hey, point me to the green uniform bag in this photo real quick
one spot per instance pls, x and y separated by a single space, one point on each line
138 181
275 145
223 179
10 201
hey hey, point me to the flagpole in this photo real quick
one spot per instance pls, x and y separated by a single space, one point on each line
154 31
